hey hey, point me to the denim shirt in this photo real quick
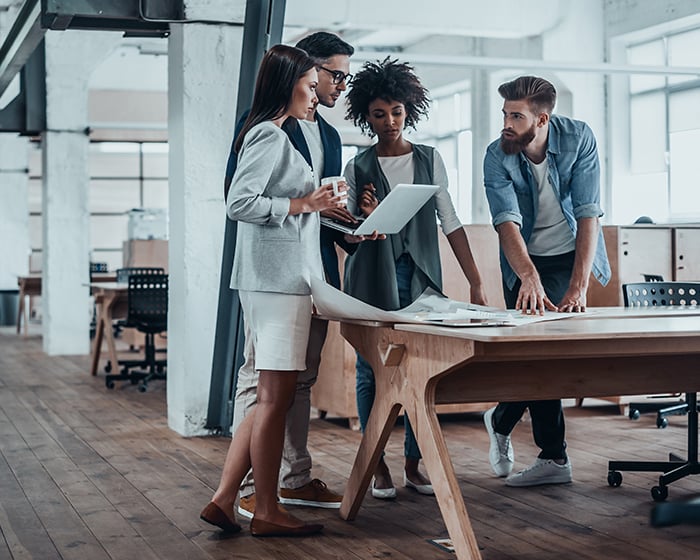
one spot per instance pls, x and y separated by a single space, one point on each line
574 172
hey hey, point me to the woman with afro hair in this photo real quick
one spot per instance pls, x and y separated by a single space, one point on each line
384 99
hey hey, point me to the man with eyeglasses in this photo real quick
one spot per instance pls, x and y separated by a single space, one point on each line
321 146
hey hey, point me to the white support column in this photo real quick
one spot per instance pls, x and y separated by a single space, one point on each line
203 67
14 210
70 58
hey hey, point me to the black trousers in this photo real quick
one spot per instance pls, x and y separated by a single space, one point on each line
547 416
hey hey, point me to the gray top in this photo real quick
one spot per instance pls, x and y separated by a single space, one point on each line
275 252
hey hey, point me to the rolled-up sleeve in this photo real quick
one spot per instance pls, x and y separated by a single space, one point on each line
500 194
585 178
247 200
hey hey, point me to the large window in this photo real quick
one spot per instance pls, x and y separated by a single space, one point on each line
665 130
123 176
449 130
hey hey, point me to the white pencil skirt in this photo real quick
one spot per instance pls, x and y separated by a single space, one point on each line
279 324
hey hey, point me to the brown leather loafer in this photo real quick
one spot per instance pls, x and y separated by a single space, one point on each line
214 515
260 528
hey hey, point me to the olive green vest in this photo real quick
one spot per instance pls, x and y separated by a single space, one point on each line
370 274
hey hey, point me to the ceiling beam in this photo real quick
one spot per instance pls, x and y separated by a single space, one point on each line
24 36
526 64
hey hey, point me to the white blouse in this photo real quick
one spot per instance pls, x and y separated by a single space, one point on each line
399 169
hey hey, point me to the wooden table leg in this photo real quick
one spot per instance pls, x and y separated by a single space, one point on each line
381 421
438 465
379 425
20 311
109 331
99 331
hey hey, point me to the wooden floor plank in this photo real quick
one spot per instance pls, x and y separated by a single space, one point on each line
64 526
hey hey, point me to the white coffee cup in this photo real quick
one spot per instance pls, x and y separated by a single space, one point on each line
334 181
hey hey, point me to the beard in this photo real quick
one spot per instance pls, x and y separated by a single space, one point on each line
516 145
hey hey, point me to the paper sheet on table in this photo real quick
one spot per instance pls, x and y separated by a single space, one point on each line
430 307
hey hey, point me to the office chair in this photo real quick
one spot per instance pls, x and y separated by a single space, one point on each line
662 405
123 278
124 273
147 311
676 294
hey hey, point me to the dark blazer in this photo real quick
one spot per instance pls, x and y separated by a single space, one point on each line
332 153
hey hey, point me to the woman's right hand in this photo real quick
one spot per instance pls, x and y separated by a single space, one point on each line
317 200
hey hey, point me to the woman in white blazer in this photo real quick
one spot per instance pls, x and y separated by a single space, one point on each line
275 201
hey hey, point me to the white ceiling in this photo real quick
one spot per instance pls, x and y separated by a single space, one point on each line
421 32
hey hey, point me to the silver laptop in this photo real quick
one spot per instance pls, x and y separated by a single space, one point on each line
392 213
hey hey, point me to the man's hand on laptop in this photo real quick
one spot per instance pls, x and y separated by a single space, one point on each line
339 214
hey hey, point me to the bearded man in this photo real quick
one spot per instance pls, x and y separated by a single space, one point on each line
542 180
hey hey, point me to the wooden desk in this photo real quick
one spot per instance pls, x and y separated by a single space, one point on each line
421 366
31 286
111 300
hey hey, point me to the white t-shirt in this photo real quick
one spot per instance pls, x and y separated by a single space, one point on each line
312 135
551 234
399 169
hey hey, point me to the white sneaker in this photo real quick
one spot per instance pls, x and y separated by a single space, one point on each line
542 471
501 453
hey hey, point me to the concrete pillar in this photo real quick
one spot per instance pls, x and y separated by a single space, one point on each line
14 210
70 58
482 136
203 67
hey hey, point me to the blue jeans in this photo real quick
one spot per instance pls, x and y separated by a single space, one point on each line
365 386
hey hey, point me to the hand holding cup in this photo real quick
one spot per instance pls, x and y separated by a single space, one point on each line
340 188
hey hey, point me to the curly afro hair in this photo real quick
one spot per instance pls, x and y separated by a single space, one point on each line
389 80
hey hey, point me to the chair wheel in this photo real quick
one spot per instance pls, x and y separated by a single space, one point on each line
142 388
108 366
659 493
614 478
109 384
634 414
661 422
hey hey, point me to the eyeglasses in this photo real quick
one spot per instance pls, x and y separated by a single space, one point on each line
338 76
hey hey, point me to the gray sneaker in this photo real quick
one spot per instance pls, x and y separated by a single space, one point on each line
542 471
501 450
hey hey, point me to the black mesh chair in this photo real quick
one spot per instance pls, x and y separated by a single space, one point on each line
147 311
123 278
674 294
124 273
663 405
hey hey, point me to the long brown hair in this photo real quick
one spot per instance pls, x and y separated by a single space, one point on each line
280 69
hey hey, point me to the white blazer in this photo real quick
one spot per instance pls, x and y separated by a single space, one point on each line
275 252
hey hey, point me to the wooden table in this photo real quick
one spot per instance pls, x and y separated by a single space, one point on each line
30 285
111 300
614 351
